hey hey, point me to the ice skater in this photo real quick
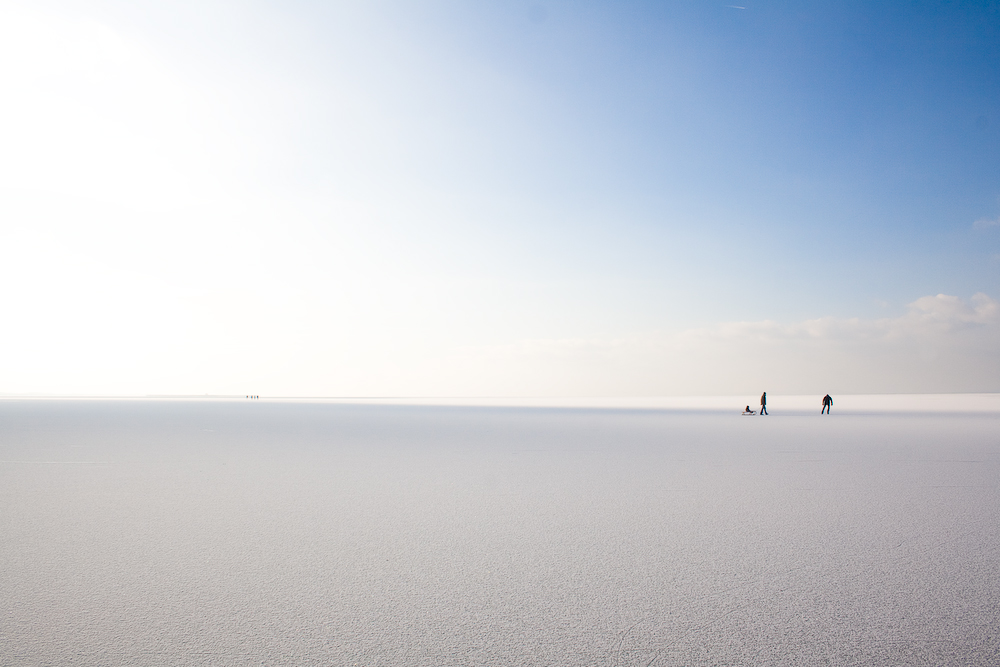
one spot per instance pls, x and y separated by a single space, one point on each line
763 403
827 402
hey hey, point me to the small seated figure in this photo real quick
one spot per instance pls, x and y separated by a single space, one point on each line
748 411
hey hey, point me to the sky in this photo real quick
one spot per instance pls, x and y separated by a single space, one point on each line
499 198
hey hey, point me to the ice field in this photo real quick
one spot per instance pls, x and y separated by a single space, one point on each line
225 532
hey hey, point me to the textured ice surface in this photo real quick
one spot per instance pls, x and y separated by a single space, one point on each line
257 533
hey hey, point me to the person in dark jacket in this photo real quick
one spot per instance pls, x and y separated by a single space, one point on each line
763 403
827 402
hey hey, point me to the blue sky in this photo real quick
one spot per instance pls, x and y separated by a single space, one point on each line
501 198
845 152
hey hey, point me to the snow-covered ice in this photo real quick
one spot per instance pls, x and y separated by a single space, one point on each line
650 532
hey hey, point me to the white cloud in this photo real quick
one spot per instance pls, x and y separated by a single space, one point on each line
927 316
941 344
986 223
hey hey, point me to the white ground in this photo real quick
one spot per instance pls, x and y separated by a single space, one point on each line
320 533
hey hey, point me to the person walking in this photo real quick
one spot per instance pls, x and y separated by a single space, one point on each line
763 403
827 402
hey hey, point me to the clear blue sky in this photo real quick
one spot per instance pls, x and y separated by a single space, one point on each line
789 159
418 197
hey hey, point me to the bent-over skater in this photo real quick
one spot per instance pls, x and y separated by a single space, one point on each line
763 403
827 402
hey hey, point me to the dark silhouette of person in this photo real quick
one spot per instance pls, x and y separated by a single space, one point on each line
827 402
748 411
763 403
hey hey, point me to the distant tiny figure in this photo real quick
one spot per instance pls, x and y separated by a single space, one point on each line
827 402
748 411
763 403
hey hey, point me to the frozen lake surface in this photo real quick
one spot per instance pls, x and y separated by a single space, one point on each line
167 532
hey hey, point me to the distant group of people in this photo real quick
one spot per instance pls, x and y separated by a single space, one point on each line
253 396
827 403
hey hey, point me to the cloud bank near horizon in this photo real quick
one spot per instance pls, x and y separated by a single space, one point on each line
941 344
